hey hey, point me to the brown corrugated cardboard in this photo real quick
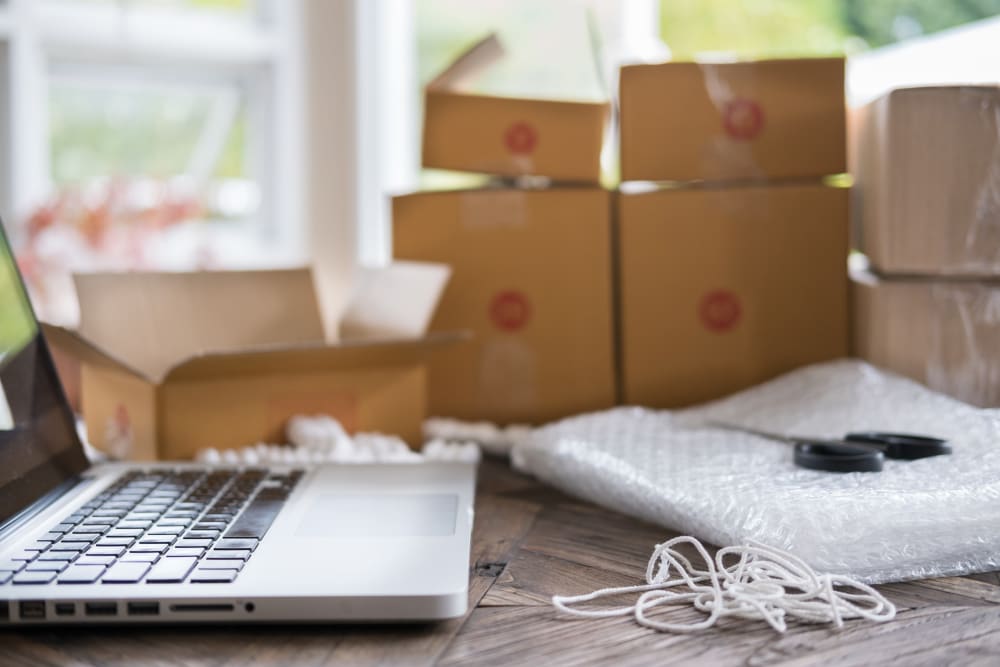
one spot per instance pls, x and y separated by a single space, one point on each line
532 280
724 288
771 119
927 180
508 136
943 334
176 362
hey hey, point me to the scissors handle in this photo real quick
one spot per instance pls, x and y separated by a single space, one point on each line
902 445
830 457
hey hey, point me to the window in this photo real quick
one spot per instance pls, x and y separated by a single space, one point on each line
144 134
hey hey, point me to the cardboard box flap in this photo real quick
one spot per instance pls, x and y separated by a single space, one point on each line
86 351
394 301
153 321
468 65
311 357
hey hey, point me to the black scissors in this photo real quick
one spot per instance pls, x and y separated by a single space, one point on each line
855 452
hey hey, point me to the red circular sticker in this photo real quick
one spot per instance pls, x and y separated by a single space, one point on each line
742 119
720 310
510 310
520 138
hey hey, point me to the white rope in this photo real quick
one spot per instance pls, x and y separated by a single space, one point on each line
763 583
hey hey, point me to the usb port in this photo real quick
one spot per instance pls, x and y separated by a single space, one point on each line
65 608
32 609
4 610
143 608
101 608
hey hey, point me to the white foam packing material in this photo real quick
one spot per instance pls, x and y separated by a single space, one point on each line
930 517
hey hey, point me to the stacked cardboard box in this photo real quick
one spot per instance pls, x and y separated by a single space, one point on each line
532 275
927 168
733 264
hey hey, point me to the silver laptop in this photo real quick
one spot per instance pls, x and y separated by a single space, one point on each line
180 542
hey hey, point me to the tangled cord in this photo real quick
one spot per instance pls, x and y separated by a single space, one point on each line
763 584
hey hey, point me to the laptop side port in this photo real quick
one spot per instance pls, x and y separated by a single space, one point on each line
65 608
32 609
4 610
101 608
143 608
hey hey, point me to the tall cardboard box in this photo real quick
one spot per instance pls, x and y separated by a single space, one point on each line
764 120
176 362
723 288
945 334
532 281
508 136
927 180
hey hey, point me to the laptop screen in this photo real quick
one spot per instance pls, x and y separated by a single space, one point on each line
39 448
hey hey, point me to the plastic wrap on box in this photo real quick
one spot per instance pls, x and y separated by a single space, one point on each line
930 517
944 334
926 163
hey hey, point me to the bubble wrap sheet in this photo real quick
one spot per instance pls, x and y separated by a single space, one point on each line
930 517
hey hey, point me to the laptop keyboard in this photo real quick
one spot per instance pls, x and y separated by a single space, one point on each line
158 527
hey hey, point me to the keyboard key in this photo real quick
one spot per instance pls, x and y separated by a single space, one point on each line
185 551
256 518
135 524
74 537
224 544
242 554
173 522
125 572
63 527
95 560
201 534
222 564
69 546
38 546
203 576
34 577
150 548
165 530
24 555
81 574
170 570
223 518
209 525
142 516
203 543
84 529
52 536
115 542
59 555
157 539
47 566
140 557
125 532
12 565
100 521
105 551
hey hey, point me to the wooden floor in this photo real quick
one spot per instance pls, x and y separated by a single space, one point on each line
529 543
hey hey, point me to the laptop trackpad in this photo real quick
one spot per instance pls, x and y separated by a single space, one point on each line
380 515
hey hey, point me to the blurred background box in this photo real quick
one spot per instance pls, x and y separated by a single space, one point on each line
532 279
927 169
723 288
770 119
945 334
508 136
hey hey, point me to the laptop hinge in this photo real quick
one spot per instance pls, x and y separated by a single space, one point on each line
42 504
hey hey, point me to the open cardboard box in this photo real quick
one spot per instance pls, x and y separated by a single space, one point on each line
175 362
508 136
